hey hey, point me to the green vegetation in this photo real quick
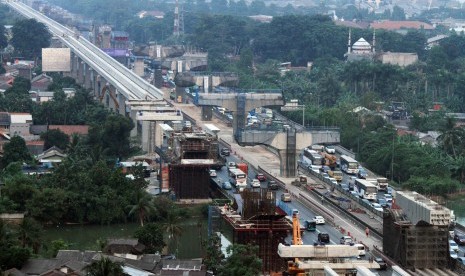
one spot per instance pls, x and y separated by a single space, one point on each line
29 37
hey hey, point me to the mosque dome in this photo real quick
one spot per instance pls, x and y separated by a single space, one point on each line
361 46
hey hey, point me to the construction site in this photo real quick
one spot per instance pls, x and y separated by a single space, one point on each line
416 236
188 156
255 223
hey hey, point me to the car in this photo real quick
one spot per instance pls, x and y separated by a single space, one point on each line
346 240
286 197
212 173
272 185
225 152
459 239
377 207
227 185
453 254
381 262
231 165
388 198
453 246
345 187
255 183
461 260
325 175
261 177
319 219
330 149
383 202
323 237
325 169
362 173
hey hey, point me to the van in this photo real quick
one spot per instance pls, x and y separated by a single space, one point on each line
361 249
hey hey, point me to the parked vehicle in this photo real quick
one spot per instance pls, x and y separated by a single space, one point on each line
243 167
336 175
261 177
361 249
272 185
286 197
227 185
362 173
323 237
346 240
459 239
255 183
310 225
212 173
319 219
225 151
330 149
382 263
453 246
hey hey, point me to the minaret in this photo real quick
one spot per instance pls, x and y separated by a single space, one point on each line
374 41
176 20
349 43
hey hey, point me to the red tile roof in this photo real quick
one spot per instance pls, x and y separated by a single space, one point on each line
71 129
397 25
35 143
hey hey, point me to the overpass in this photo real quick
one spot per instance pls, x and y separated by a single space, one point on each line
117 87
124 81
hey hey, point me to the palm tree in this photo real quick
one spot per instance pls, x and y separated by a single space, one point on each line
104 267
171 226
451 137
143 207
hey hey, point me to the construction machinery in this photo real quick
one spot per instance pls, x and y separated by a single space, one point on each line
330 160
300 181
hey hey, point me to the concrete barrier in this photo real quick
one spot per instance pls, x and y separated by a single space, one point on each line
306 200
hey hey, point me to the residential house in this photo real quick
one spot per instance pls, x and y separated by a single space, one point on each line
401 26
20 124
41 82
51 155
41 96
71 129
124 246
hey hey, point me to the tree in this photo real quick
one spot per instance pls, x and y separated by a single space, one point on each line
242 261
3 39
13 255
104 267
151 235
143 206
29 233
15 151
55 137
214 256
29 37
451 137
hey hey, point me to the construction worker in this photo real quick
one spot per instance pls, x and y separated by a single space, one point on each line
367 231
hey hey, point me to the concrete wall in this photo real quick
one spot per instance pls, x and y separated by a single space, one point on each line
401 59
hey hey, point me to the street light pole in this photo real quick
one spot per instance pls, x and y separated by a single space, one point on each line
392 157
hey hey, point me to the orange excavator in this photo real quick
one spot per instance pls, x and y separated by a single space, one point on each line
330 160
292 268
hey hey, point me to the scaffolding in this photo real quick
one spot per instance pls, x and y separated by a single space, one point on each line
258 225
415 246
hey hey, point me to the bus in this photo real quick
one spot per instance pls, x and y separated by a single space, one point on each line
238 178
312 157
349 165
365 189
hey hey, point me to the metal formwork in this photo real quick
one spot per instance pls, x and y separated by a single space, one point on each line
189 181
414 246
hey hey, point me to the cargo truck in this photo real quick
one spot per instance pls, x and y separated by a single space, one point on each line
243 167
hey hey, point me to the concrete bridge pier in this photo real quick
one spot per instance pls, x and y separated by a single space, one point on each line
89 78
287 162
207 113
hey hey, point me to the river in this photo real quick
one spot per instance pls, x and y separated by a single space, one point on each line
84 237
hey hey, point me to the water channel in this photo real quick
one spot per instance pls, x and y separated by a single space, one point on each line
84 237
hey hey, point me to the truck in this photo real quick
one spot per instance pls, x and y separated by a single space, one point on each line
243 167
336 174
381 183
330 160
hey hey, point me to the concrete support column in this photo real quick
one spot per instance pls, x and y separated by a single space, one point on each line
89 78
206 113
285 168
133 116
158 135
147 136
98 86
84 73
